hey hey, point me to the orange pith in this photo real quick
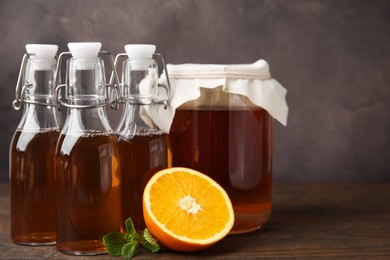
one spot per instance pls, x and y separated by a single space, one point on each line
186 210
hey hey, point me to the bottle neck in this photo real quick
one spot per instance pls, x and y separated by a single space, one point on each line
139 89
86 95
39 112
86 82
38 81
140 78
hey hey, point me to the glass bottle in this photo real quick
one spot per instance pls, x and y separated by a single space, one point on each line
32 179
144 148
87 158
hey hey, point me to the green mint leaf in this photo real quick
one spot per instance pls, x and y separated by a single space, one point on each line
125 245
130 237
149 242
130 228
114 242
129 249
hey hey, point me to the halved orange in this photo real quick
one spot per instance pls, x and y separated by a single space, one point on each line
186 210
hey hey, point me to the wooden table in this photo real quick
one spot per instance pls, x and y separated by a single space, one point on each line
345 221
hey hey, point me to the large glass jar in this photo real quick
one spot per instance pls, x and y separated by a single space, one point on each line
224 129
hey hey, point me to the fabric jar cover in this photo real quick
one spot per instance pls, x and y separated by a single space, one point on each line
251 80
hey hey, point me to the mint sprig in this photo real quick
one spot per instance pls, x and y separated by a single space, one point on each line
126 244
130 228
114 242
149 242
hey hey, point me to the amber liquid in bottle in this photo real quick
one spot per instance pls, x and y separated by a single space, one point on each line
88 178
33 214
144 148
31 154
234 148
140 158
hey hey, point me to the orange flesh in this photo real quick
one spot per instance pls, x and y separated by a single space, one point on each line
165 206
186 210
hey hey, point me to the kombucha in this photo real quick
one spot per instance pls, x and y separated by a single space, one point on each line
89 196
32 180
140 158
234 148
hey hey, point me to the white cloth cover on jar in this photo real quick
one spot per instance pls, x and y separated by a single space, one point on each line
251 80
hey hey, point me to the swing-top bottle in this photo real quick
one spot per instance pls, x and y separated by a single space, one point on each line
32 180
87 163
143 147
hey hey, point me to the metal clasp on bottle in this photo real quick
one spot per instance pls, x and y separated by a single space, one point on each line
112 91
167 87
20 88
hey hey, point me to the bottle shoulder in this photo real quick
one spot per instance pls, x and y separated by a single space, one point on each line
24 140
86 142
134 122
40 118
91 120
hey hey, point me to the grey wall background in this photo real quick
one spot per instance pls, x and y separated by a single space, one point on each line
333 57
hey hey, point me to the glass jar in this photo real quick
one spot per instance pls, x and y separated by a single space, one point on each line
225 131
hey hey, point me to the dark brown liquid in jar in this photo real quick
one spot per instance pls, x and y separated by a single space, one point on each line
88 179
33 187
234 148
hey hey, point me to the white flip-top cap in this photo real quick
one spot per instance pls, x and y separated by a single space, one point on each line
140 55
140 51
85 50
42 55
42 51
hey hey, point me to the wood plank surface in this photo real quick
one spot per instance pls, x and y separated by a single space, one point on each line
343 221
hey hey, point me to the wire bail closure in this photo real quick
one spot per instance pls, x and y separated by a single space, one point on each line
112 91
20 88
167 87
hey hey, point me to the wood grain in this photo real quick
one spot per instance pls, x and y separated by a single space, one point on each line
344 221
